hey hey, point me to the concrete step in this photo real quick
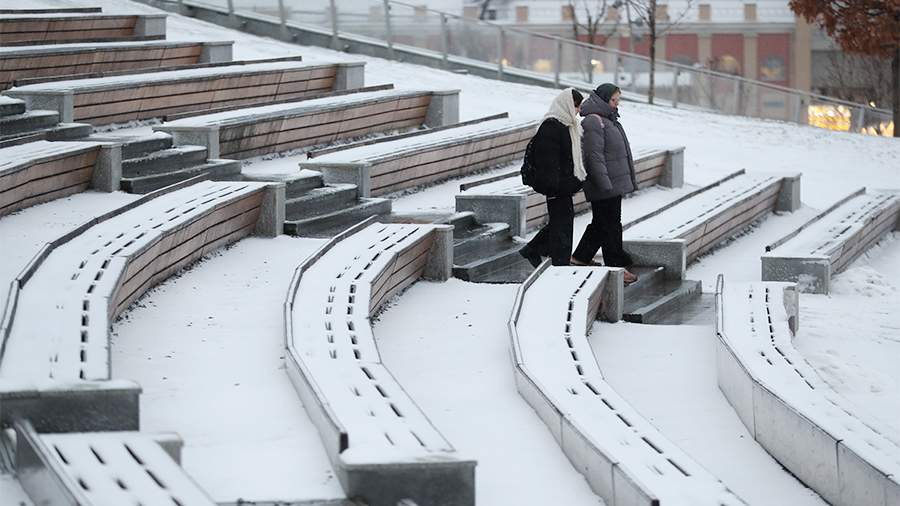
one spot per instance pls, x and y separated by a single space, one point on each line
167 160
463 221
295 185
515 272
655 304
58 132
328 225
485 258
10 106
216 170
700 310
30 121
474 241
137 146
320 201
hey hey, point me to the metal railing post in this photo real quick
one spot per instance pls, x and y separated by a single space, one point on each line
500 37
797 103
231 7
282 14
675 88
335 39
861 119
445 40
616 71
388 32
558 62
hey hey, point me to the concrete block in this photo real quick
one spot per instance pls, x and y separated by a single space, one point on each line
82 406
789 196
200 136
216 52
509 209
350 76
589 461
333 436
63 102
791 302
628 492
107 174
673 174
613 296
439 266
670 254
151 25
892 491
441 481
349 173
541 405
812 274
171 443
443 109
271 215
861 483
797 443
736 385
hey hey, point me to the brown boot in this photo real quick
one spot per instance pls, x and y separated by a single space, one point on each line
630 277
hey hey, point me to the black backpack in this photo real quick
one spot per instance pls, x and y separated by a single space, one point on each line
542 180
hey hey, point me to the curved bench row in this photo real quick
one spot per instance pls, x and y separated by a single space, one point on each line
624 458
382 446
55 28
788 408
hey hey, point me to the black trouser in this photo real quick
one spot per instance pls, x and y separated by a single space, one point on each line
555 239
604 231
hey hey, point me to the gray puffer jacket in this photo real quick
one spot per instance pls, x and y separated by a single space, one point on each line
607 154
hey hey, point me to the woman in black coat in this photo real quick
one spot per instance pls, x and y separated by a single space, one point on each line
557 147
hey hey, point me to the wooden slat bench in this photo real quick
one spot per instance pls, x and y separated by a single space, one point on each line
505 199
622 456
116 99
97 270
41 171
382 446
788 408
31 29
393 165
70 59
256 131
828 243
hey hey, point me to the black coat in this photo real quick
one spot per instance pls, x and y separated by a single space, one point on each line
552 150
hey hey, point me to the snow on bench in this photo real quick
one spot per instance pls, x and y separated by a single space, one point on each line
103 468
41 171
255 131
116 99
381 444
827 244
624 458
59 312
425 157
71 59
55 28
788 408
505 199
677 234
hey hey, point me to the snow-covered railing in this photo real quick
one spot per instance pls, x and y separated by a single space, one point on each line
507 200
103 468
424 157
73 59
788 408
254 131
682 232
41 171
827 244
624 458
30 29
117 99
381 444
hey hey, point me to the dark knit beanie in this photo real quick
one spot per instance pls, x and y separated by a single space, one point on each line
576 97
606 90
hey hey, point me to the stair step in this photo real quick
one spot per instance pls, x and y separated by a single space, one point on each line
29 121
134 146
10 106
322 200
485 258
167 160
654 304
295 185
700 310
330 224
216 170
462 221
515 272
69 132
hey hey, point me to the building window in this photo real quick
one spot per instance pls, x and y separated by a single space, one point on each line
521 13
772 69
727 64
568 13
491 15
704 13
749 12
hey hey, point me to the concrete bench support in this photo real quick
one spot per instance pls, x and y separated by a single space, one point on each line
84 406
671 254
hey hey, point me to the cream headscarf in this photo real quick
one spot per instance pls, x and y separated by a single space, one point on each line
563 110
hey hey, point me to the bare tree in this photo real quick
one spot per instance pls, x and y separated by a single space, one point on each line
587 19
482 13
646 12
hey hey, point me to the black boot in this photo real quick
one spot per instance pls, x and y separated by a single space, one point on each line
533 258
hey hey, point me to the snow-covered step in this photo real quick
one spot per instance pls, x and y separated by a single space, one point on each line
136 146
255 131
24 62
827 244
382 445
332 223
62 304
510 201
10 106
654 297
129 97
389 165
103 468
41 171
166 160
788 408
61 28
319 201
623 457
215 170
678 233
29 121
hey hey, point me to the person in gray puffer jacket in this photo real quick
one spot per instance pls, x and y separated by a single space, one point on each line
610 175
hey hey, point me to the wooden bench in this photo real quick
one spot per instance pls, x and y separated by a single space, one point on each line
41 171
381 444
391 164
790 411
624 459
57 28
505 199
103 468
827 244
97 270
18 63
245 133
116 99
